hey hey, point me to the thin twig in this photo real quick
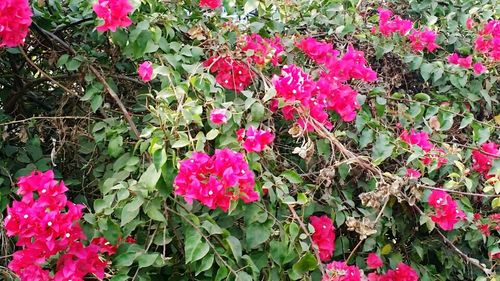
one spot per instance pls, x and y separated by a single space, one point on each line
304 228
46 75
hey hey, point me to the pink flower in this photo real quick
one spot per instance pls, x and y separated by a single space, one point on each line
412 173
230 74
453 58
340 271
15 20
387 26
402 273
421 40
373 261
488 40
114 13
420 139
47 227
469 23
263 50
320 52
218 116
323 236
482 158
446 212
146 71
212 4
254 140
216 181
478 68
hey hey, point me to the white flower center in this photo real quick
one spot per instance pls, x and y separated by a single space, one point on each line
68 235
44 190
210 193
25 216
49 223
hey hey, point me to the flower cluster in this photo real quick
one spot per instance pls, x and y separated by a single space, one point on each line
262 50
446 211
323 236
254 140
15 20
423 39
235 74
419 39
46 224
218 116
212 4
229 73
340 271
146 71
483 158
421 139
114 13
307 97
488 40
466 63
216 181
403 272
389 24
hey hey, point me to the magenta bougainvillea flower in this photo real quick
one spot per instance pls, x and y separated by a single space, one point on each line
15 20
323 236
216 180
423 39
212 4
482 159
340 271
488 40
412 173
46 225
145 71
230 74
254 140
264 50
388 24
420 139
306 98
478 68
446 211
218 116
374 261
114 13
403 272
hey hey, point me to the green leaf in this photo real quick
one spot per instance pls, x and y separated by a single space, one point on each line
366 138
382 149
426 70
466 120
181 143
235 246
115 146
212 134
150 177
194 246
250 5
292 176
495 203
257 112
131 210
305 264
146 260
257 234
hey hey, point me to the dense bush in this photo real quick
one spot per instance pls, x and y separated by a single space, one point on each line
249 140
